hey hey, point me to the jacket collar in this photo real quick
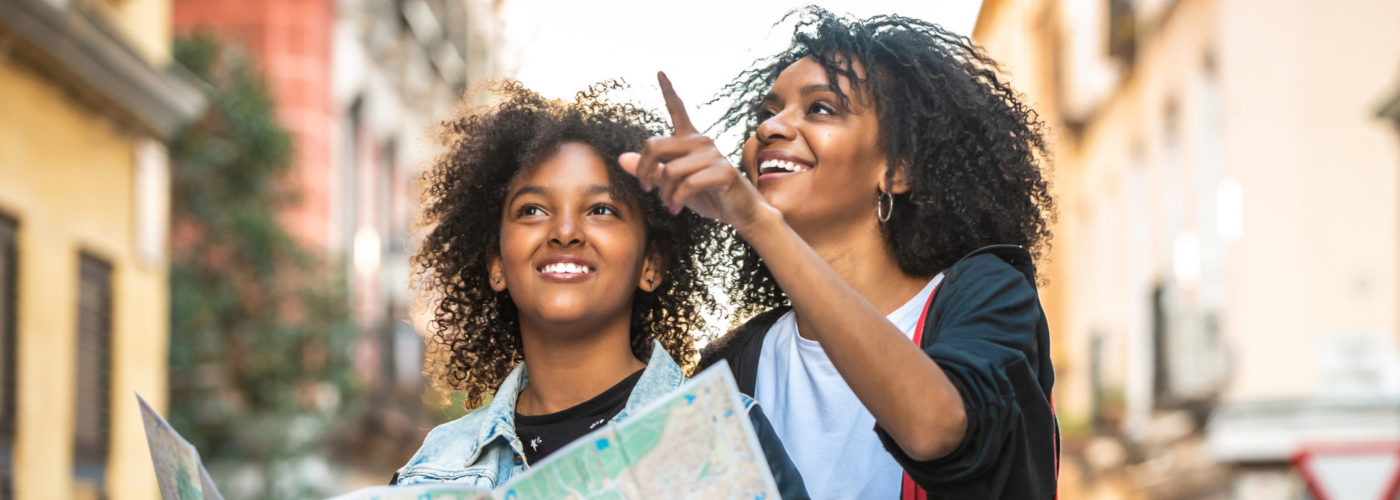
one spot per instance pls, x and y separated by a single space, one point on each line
661 375
498 417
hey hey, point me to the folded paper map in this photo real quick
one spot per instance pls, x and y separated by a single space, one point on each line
695 442
179 472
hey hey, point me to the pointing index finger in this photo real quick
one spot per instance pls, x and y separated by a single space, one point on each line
680 120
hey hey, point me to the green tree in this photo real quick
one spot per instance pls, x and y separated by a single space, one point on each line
260 367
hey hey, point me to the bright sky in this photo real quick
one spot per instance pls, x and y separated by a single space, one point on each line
564 45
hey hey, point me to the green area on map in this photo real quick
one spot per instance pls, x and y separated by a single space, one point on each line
696 441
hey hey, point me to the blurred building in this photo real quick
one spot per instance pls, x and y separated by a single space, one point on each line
399 69
360 83
1224 280
87 105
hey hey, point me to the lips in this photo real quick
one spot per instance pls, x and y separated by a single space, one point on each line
775 164
565 268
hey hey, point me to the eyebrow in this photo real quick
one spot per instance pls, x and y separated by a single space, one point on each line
525 190
597 189
806 91
593 190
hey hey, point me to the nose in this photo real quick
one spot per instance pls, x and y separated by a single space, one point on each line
566 231
775 127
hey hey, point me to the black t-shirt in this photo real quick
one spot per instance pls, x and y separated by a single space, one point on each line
543 434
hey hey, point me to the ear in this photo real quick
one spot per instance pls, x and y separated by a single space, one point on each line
652 272
495 273
899 183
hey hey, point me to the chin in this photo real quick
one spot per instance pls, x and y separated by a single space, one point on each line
809 225
787 203
563 313
571 308
564 319
777 197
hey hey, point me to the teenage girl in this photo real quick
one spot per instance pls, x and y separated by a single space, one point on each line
894 187
563 293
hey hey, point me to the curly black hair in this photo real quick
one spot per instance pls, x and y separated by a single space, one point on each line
475 331
971 150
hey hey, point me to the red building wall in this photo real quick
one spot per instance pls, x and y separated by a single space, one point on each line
291 42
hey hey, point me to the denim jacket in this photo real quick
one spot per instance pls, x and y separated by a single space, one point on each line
481 449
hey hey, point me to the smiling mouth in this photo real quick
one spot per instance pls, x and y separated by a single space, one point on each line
565 269
782 167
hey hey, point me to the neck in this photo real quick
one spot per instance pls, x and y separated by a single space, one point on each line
868 265
570 363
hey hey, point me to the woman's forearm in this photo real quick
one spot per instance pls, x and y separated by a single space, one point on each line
908 394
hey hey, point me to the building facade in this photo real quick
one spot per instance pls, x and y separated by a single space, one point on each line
360 84
1224 281
87 105
400 68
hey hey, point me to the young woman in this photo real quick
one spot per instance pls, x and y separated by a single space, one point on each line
893 185
563 293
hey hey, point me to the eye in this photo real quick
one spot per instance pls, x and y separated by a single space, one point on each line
529 210
821 108
763 114
602 210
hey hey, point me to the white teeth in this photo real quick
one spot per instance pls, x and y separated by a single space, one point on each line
565 268
781 164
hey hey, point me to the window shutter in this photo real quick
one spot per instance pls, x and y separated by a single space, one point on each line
94 371
9 269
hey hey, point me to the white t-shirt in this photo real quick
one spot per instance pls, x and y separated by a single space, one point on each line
827 432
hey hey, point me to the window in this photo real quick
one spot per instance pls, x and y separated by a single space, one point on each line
94 375
349 179
9 268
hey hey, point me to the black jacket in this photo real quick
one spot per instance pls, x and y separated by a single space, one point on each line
988 333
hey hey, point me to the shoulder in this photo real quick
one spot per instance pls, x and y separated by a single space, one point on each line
993 261
989 296
996 274
450 445
988 313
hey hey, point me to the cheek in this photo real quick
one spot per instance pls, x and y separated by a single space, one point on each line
858 161
636 251
639 256
873 166
515 251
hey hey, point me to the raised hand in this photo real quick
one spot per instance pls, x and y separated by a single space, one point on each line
691 172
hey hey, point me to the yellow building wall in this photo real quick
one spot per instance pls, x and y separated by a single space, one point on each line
1303 114
145 24
67 175
1021 36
